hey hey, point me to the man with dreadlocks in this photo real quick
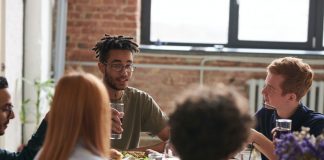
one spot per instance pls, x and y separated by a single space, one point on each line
142 113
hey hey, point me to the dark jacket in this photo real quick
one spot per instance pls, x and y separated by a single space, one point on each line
303 116
32 147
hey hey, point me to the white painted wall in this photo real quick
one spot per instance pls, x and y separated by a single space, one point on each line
12 58
37 59
1 47
2 31
36 62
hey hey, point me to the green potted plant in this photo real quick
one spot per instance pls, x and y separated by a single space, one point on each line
44 91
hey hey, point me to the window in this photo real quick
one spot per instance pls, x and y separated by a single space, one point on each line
282 24
259 22
190 24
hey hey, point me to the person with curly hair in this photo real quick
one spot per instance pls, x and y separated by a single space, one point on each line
210 123
141 113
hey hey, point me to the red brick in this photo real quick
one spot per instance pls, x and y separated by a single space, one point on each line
71 6
73 30
82 1
96 1
111 24
70 44
88 30
109 2
85 8
120 31
130 9
131 17
109 16
86 23
81 55
129 24
121 2
104 8
72 1
120 17
74 15
133 2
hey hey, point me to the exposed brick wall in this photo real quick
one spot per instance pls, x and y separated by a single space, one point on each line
164 85
88 20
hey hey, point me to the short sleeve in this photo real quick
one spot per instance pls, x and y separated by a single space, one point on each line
153 118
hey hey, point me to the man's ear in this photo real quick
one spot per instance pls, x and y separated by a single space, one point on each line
292 97
101 67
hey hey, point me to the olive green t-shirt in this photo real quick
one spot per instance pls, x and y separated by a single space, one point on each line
142 114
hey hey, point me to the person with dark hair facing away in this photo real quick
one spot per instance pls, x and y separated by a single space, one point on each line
288 80
6 114
210 124
142 113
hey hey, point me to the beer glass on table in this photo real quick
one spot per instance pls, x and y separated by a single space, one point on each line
283 126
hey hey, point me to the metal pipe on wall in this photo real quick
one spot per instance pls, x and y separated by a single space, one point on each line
189 67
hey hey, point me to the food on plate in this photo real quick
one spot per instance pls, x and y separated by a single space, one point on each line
115 155
138 155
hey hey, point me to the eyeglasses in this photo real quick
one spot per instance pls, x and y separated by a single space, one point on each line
8 108
119 67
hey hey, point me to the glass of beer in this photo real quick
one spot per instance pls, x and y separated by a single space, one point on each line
120 108
283 126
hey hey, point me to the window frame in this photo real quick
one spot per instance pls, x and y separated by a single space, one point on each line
315 29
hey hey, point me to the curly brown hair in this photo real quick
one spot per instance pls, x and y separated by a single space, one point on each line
210 123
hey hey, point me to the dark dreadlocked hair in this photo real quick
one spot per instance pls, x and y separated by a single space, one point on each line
3 83
108 43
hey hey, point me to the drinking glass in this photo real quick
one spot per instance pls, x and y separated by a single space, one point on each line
248 153
283 126
120 108
244 155
155 156
170 152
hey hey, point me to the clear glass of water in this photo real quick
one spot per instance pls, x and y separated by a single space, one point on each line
120 108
